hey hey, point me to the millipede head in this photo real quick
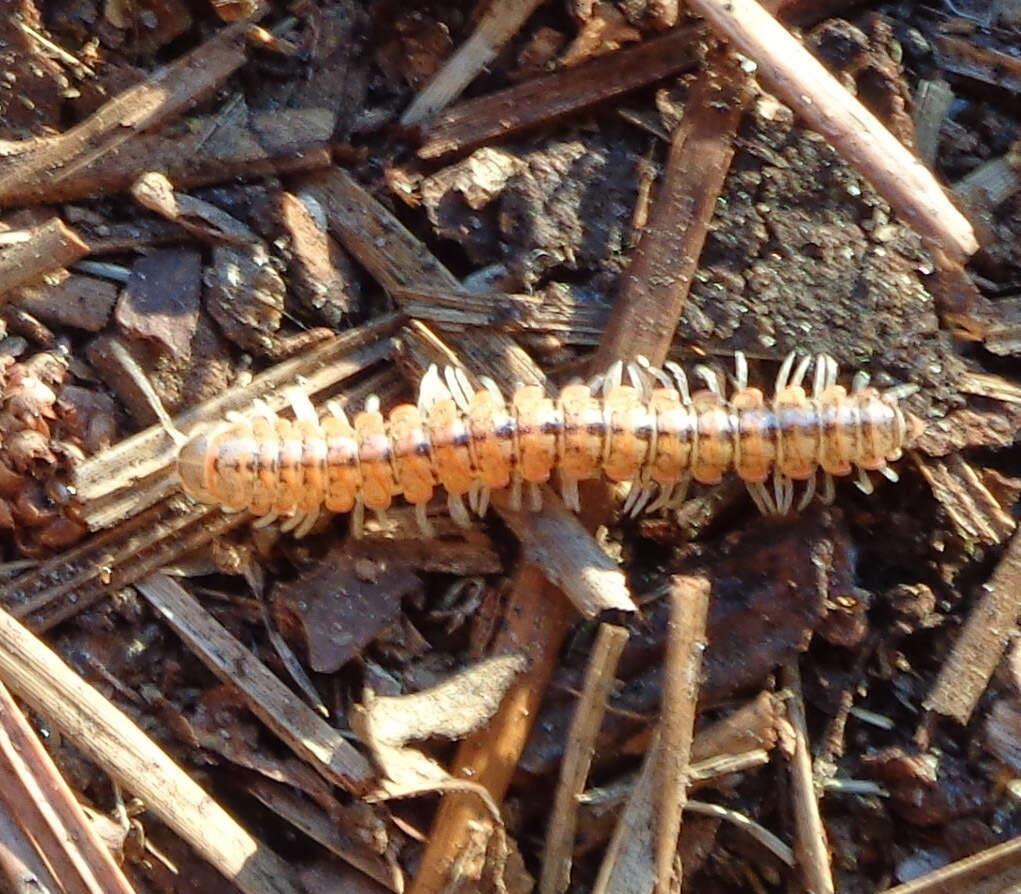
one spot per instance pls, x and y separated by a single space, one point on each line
193 464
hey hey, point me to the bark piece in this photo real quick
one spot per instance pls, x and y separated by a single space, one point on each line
70 299
161 300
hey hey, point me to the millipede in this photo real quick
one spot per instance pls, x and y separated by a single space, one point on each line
636 423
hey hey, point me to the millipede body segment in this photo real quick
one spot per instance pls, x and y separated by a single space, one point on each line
645 427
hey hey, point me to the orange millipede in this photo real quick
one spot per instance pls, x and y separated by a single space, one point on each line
651 430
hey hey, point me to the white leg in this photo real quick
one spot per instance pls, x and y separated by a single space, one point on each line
863 482
534 497
493 389
638 381
261 410
235 417
806 497
461 398
712 381
424 525
358 519
762 499
663 500
614 376
431 389
645 494
785 371
292 521
265 521
860 381
833 371
681 379
801 369
680 494
306 525
889 474
632 498
740 370
484 501
829 489
302 406
819 381
372 403
569 492
335 409
515 492
455 505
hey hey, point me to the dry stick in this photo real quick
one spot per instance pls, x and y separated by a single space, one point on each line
20 863
110 739
499 24
657 283
167 93
963 874
689 606
30 782
45 248
806 86
547 98
810 836
536 621
967 670
311 738
588 718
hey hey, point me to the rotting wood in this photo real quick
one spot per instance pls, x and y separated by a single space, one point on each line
49 810
538 616
168 92
304 731
965 57
689 607
985 188
137 472
588 716
39 250
932 105
499 23
973 510
810 843
106 736
547 98
963 875
969 666
800 80
656 284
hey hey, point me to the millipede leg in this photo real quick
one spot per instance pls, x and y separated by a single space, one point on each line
799 372
663 500
459 387
265 521
806 497
681 378
889 474
261 410
431 389
644 495
569 492
302 406
762 498
740 370
473 496
783 488
455 505
234 416
494 390
680 493
632 498
358 518
638 381
863 482
424 525
310 519
292 521
614 376
534 497
515 492
712 381
829 489
860 381
784 372
484 501
335 409
819 381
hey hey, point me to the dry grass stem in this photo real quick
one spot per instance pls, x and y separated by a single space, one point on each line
801 81
810 844
107 737
689 607
757 831
271 701
49 812
588 717
969 666
547 98
500 22
21 867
